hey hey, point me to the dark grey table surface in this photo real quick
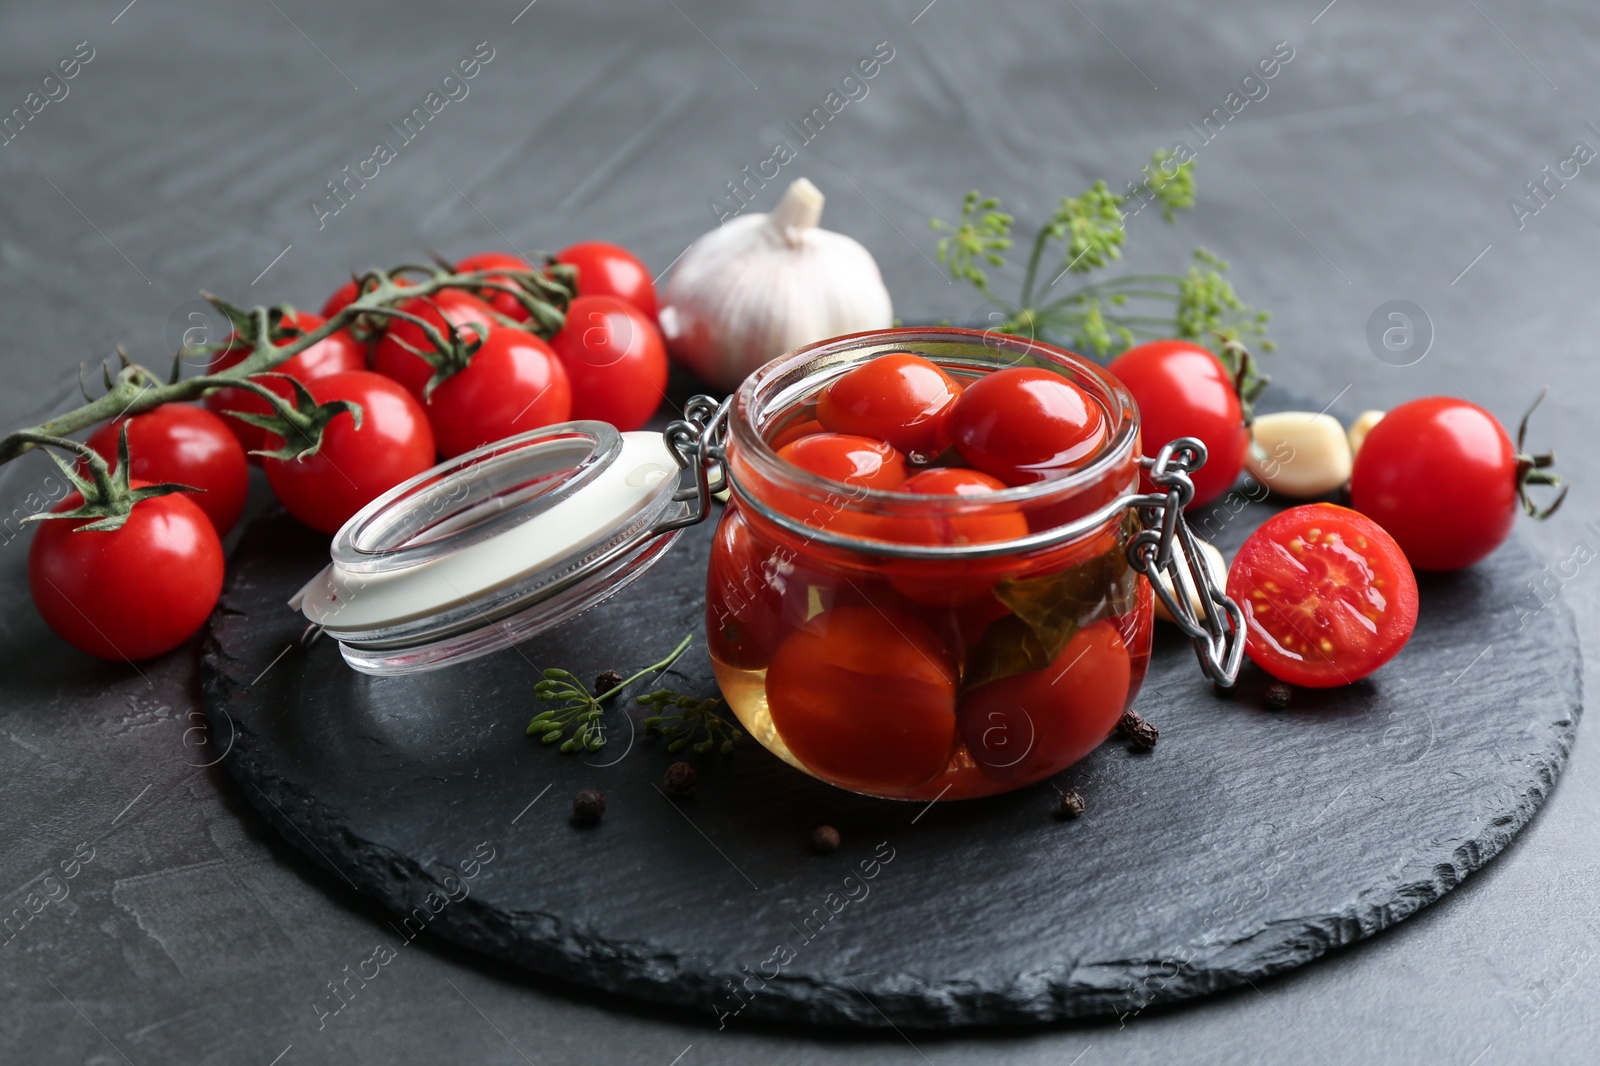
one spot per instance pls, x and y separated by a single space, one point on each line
187 154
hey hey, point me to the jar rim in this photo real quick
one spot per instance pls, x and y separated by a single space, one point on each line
775 387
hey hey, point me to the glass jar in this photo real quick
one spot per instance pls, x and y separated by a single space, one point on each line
915 646
907 646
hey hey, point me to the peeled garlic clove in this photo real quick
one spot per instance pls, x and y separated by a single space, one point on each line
1219 577
1361 427
1299 454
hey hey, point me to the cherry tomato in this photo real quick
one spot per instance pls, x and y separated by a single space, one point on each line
500 300
608 270
865 698
854 460
513 384
1026 424
1031 725
1184 391
131 593
615 359
354 466
1441 476
795 432
899 397
346 294
334 354
985 523
394 356
1328 596
184 445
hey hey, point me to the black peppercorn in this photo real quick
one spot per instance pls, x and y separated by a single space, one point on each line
825 840
607 681
1278 697
1071 805
679 780
587 806
1140 733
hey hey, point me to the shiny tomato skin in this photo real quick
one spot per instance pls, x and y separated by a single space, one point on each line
615 359
1183 390
897 397
1031 725
1328 596
794 432
334 354
610 270
854 460
346 294
132 593
991 525
392 356
501 301
181 444
513 384
1026 424
1441 478
865 698
354 466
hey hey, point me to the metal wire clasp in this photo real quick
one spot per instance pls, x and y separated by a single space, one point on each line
696 442
1218 632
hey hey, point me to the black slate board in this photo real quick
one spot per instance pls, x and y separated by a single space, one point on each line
1247 843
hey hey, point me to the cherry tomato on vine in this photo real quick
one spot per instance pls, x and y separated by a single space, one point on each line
514 383
898 397
499 299
615 359
608 270
130 593
1328 596
354 466
1034 724
334 354
1026 424
394 356
1183 390
865 697
346 294
860 461
1441 475
181 444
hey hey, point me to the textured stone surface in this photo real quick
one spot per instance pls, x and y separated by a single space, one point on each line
1241 846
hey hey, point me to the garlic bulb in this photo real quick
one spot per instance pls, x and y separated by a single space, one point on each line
762 285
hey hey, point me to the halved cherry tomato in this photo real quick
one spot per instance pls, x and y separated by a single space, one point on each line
844 457
1031 725
334 354
354 466
1026 424
1184 391
865 698
514 383
609 270
130 593
502 301
394 356
615 359
898 397
1328 596
180 444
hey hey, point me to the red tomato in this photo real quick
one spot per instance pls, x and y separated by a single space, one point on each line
346 294
1184 391
394 356
1441 476
899 397
184 445
865 698
615 360
985 524
354 466
854 460
1328 596
607 270
334 354
795 432
1025 424
131 593
514 383
498 299
1029 726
